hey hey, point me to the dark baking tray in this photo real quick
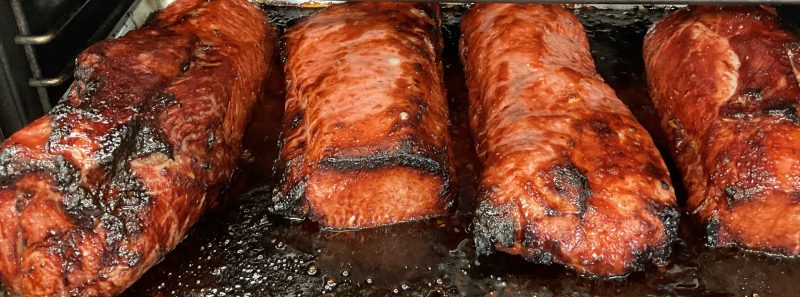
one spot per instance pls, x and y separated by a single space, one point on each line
242 250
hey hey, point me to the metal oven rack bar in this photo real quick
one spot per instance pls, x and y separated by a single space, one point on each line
28 40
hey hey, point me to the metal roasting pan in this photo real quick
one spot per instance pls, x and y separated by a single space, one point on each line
242 250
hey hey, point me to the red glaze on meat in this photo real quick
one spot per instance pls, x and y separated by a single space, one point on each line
365 130
725 82
569 176
96 192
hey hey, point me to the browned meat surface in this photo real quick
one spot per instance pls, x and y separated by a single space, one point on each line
96 192
569 176
365 128
726 84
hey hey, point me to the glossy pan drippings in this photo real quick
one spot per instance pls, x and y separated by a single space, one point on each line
725 82
569 175
96 192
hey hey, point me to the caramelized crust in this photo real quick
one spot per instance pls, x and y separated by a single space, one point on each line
726 84
569 175
96 192
365 130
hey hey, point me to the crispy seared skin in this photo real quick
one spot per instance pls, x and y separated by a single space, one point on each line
569 175
366 138
725 82
96 192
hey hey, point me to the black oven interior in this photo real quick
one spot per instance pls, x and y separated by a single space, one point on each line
39 40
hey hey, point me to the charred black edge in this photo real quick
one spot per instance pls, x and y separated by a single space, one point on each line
779 108
385 160
712 230
671 216
84 204
289 201
714 227
493 225
540 251
566 176
659 255
655 254
12 167
136 138
411 154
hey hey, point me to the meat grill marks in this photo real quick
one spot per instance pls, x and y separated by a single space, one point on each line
95 193
366 138
569 175
724 81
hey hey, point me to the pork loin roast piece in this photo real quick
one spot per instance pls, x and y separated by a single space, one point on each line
366 138
97 191
569 176
725 82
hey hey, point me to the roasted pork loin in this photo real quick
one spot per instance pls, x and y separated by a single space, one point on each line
569 175
725 82
366 138
97 191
